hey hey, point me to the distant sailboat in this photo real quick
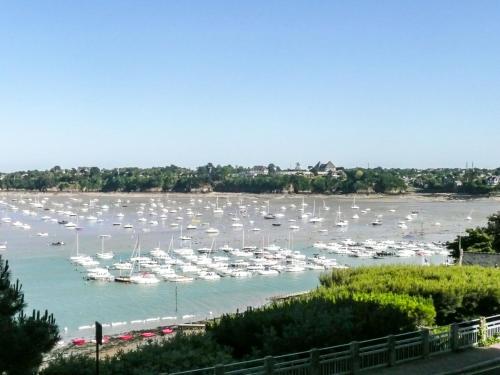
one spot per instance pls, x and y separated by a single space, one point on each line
325 207
469 217
104 254
354 206
340 222
218 210
315 219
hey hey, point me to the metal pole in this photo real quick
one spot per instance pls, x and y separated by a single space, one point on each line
97 358
98 341
460 251
176 298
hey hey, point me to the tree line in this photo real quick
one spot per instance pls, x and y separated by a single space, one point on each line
241 180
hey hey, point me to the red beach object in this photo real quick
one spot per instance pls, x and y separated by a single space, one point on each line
79 341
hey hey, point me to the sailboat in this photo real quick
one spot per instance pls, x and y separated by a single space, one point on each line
469 216
104 254
218 210
268 214
340 222
354 206
325 207
184 238
295 259
138 277
315 219
78 256
303 215
246 248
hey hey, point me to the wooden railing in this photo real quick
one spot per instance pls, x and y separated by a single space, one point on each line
357 357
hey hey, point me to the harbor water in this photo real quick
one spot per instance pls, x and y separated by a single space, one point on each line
50 281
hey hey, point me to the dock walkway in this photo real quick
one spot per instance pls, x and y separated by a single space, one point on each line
446 364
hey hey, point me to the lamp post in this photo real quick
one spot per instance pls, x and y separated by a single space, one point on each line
98 341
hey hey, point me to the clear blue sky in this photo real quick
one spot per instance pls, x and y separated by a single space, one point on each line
149 83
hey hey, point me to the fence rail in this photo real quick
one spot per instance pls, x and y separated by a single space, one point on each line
358 357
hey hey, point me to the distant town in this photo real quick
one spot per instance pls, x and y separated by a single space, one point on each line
320 178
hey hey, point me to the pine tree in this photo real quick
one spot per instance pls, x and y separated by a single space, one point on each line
23 339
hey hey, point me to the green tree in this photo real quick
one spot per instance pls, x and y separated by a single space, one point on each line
23 339
480 239
493 229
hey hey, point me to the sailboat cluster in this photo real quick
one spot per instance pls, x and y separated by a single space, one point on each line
184 264
373 249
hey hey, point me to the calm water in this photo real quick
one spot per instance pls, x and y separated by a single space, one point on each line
51 282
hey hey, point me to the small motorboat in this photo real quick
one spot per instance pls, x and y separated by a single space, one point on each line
57 243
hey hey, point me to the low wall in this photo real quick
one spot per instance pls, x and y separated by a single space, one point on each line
481 259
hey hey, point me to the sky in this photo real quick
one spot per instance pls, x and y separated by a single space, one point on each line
149 83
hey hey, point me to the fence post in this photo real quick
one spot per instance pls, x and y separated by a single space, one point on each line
391 350
455 338
425 343
219 369
314 362
355 357
482 337
269 365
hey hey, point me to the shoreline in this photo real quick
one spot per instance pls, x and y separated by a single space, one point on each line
115 343
371 196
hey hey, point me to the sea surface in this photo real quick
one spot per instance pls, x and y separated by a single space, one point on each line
51 282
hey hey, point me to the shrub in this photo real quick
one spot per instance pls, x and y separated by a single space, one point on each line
458 293
323 318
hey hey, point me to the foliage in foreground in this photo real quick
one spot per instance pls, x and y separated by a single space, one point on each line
23 339
319 320
352 304
458 293
180 353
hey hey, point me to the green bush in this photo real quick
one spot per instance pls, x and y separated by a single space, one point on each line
458 293
323 318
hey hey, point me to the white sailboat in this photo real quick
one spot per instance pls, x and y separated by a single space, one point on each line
295 259
314 218
354 206
104 254
340 222
217 210
141 277
184 238
325 207
78 256
469 216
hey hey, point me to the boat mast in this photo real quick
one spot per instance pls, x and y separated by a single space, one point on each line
77 243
